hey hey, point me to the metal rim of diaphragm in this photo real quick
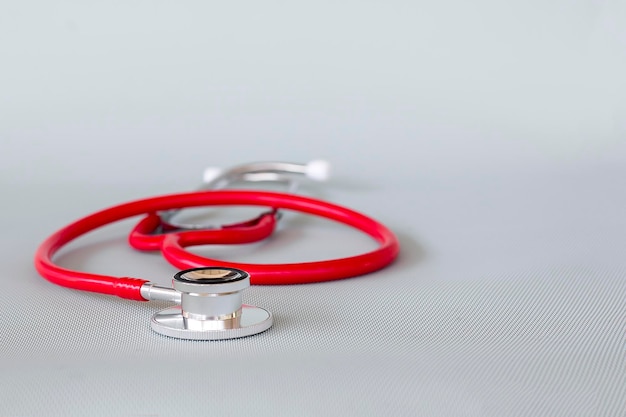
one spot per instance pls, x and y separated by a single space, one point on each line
170 322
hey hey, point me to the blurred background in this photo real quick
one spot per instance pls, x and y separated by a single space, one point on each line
146 91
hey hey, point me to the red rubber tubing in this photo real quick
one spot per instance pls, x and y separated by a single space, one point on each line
173 243
143 236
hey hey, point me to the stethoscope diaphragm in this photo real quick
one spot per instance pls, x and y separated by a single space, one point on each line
211 307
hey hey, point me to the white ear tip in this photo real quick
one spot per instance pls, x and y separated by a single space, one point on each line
210 174
318 170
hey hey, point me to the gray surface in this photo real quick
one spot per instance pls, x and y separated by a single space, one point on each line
489 136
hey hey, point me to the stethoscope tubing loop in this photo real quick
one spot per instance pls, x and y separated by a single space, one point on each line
174 243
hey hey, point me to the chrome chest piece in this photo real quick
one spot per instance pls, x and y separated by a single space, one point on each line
211 307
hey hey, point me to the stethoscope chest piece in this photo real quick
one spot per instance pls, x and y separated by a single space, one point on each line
211 307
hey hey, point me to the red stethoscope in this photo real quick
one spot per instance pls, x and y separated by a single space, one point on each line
209 290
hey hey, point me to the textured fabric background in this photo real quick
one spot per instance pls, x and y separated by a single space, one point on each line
489 136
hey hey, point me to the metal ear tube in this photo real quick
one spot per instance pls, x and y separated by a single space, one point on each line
211 307
285 173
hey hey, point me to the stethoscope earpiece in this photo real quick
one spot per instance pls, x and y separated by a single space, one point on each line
211 307
283 173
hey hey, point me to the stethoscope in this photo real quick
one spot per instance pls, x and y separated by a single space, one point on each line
209 291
